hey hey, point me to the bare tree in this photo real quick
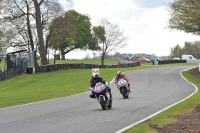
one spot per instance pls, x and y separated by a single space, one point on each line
110 37
25 17
40 31
4 40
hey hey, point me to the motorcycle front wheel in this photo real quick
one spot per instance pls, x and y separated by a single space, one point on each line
102 103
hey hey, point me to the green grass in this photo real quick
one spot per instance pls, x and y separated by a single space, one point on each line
143 128
38 87
2 65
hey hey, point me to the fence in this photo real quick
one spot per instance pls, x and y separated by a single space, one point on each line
9 73
171 61
55 67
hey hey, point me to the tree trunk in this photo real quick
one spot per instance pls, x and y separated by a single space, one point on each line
103 55
102 59
35 59
62 55
40 32
31 36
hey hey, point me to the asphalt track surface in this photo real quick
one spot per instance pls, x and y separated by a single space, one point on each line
152 90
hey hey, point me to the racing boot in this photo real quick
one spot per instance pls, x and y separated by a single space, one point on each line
111 98
129 87
109 90
92 95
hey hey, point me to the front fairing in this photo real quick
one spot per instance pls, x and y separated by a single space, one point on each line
99 89
122 82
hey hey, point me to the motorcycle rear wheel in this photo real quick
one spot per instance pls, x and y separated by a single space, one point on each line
123 91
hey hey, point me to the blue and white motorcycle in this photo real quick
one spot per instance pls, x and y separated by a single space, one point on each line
102 95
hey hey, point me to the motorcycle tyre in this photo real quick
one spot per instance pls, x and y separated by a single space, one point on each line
102 103
123 92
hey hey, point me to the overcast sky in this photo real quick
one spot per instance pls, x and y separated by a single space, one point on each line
143 21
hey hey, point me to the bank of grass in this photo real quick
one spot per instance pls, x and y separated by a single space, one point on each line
170 116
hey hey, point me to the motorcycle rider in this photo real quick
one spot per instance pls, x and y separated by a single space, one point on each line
120 75
95 79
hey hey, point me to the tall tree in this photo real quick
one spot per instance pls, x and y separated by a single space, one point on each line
176 51
196 49
191 48
110 37
70 32
184 16
188 48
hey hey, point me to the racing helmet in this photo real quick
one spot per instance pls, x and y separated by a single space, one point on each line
119 73
95 75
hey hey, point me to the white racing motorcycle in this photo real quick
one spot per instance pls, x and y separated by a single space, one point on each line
122 86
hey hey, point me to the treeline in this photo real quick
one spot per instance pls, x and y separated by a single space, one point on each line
191 48
119 56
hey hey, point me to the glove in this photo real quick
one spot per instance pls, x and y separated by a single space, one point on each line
91 88
107 84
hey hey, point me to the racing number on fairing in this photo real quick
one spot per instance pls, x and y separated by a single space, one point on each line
98 88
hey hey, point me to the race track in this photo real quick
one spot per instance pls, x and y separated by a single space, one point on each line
152 90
